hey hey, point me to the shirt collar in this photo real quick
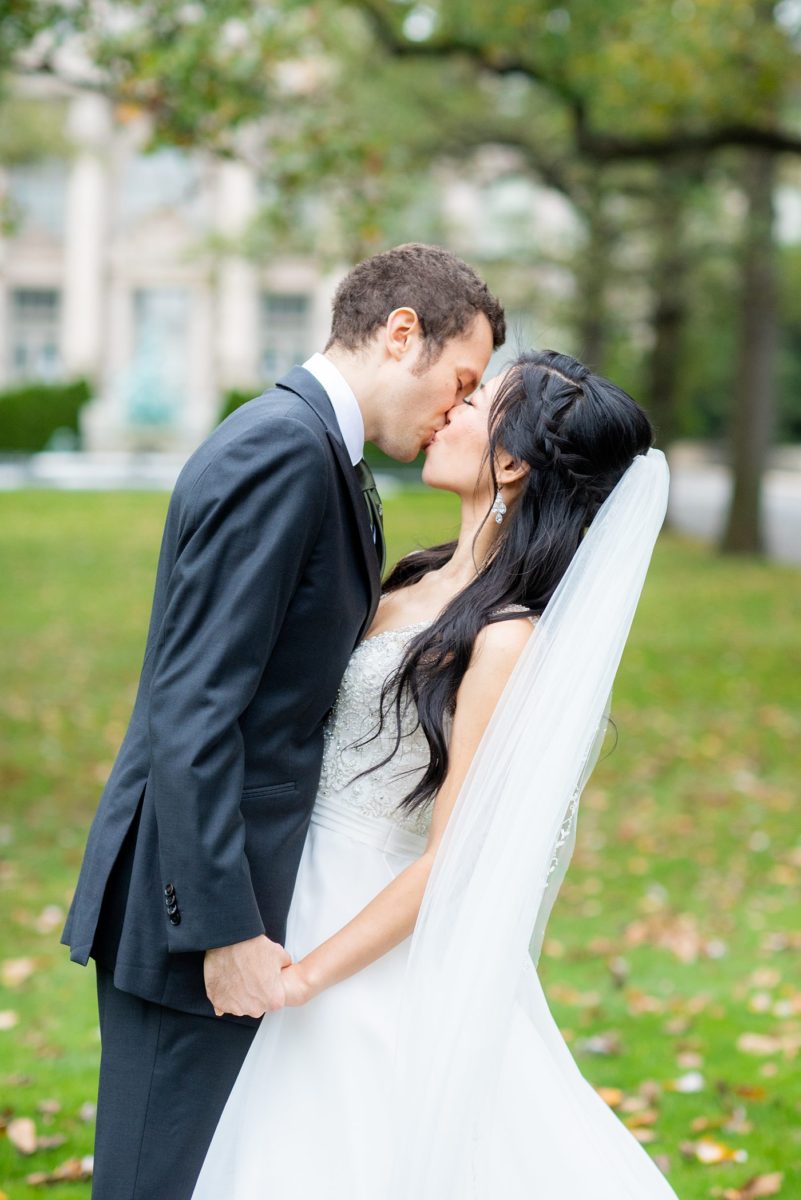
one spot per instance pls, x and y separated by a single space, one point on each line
344 403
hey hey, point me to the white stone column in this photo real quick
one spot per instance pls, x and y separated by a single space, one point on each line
237 332
85 245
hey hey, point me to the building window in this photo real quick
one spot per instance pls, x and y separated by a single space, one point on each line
34 334
167 180
38 195
155 387
285 332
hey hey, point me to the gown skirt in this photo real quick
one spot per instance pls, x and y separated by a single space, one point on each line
309 1117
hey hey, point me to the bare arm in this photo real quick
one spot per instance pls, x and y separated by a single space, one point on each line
391 914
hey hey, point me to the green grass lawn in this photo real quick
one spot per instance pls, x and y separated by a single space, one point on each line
674 953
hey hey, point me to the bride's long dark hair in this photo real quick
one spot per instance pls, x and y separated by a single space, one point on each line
578 432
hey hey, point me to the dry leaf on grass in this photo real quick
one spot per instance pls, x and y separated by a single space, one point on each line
756 1188
637 1120
49 919
21 1133
15 971
600 1043
74 1170
50 1141
710 1152
693 1081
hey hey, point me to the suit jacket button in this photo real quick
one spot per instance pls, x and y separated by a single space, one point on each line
169 890
172 908
175 918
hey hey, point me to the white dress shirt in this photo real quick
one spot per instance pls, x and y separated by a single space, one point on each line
344 403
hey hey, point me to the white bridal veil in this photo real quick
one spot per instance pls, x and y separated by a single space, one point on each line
508 843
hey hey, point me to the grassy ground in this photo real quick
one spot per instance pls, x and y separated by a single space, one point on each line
672 960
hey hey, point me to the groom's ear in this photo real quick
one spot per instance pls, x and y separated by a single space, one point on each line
402 332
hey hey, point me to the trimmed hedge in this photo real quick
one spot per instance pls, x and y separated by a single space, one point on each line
235 397
31 413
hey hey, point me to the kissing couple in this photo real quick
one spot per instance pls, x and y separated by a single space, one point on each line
318 877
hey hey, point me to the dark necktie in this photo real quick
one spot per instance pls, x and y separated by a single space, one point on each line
375 510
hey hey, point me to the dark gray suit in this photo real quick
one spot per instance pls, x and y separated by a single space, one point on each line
267 579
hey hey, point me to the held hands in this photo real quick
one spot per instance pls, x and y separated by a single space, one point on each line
298 987
246 979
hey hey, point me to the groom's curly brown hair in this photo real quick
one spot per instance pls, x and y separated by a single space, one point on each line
445 292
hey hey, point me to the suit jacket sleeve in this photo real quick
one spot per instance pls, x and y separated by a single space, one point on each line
252 520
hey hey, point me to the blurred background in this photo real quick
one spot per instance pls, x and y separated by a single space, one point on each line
182 185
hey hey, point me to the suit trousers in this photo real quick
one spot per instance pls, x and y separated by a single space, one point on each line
165 1076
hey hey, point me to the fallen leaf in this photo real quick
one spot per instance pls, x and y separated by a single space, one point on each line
49 918
639 1002
634 1104
50 1141
22 1134
648 1116
15 971
599 1043
8 1019
74 1170
738 1122
750 1091
693 1081
689 1058
758 1043
611 1095
756 1188
709 1152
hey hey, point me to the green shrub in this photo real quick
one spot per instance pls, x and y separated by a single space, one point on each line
31 413
234 397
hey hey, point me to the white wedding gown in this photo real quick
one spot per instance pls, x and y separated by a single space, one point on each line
309 1117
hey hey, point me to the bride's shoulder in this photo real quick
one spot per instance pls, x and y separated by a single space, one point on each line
504 636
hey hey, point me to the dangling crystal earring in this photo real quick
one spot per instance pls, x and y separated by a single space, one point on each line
498 507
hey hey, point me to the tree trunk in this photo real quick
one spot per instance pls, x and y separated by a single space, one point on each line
592 275
669 312
754 388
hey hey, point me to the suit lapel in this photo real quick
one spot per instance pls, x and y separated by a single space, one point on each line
303 384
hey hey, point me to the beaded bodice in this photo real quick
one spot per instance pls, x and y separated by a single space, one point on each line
355 716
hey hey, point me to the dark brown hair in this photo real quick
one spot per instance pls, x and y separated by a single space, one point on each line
444 291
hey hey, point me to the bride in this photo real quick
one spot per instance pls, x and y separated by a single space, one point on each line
466 725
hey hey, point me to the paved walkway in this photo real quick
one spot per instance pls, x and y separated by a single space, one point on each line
699 501
699 492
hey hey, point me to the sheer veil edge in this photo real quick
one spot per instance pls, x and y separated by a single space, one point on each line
505 851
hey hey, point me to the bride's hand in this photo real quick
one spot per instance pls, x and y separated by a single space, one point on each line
297 987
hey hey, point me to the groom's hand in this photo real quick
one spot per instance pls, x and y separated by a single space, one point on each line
245 979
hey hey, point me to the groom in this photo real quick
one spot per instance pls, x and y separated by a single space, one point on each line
268 576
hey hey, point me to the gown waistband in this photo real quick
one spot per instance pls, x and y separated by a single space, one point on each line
380 832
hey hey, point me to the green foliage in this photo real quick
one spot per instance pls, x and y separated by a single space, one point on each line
234 398
31 413
352 112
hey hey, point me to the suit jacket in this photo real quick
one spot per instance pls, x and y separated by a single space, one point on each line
267 579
